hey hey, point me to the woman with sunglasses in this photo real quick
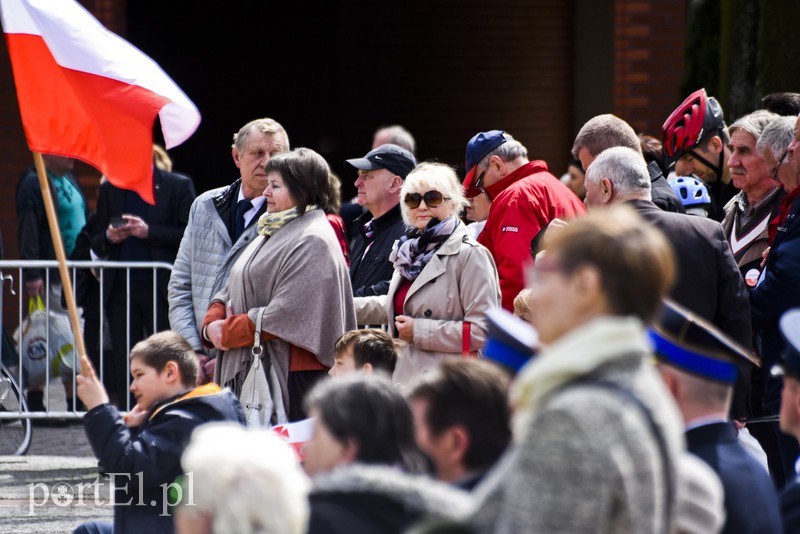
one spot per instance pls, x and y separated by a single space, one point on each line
444 281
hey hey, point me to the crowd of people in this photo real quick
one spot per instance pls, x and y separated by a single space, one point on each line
659 276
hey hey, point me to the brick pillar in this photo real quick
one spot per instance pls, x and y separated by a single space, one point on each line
648 61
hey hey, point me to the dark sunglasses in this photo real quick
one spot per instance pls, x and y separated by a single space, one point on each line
433 199
478 183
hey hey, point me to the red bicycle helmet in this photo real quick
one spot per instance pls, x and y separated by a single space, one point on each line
697 117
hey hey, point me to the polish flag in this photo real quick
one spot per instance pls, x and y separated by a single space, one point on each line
86 93
297 434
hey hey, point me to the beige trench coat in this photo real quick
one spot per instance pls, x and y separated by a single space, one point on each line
459 284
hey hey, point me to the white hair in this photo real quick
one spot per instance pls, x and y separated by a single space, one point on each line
777 136
753 123
624 167
247 479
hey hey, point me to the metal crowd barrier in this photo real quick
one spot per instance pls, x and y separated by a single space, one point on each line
11 270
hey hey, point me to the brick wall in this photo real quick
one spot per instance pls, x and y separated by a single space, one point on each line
648 61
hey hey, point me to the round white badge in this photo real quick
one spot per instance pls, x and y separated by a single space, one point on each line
751 278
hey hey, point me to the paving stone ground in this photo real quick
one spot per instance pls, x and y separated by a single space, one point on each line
40 492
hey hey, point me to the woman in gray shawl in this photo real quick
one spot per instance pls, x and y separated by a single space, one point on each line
296 272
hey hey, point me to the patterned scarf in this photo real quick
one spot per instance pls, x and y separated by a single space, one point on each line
269 223
413 251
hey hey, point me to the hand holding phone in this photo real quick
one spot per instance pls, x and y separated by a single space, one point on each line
117 230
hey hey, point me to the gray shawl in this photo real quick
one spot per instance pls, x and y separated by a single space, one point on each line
300 277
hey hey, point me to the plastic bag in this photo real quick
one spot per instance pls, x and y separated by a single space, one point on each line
31 339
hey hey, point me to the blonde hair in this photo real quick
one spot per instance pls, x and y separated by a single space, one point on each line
161 158
428 176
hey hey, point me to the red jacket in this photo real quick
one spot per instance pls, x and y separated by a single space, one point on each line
523 202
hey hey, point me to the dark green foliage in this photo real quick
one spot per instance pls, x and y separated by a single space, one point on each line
741 50
702 49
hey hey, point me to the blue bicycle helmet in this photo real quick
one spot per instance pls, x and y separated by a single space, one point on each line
691 190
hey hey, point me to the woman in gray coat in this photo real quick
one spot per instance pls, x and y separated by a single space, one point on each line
444 281
296 272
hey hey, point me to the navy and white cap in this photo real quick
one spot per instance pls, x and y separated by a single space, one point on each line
790 330
510 341
690 343
393 158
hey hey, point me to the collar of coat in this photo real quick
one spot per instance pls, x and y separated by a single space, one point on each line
436 266
388 219
577 354
532 167
200 391
227 197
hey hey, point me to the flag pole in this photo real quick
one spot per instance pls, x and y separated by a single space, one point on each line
58 245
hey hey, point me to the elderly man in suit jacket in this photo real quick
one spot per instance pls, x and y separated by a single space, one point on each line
708 282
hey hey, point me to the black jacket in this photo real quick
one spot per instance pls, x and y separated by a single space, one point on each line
154 450
751 505
174 194
708 281
370 274
663 195
720 193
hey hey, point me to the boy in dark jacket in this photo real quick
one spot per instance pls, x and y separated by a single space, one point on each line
142 451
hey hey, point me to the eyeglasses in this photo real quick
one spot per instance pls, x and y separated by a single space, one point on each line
540 266
774 172
433 199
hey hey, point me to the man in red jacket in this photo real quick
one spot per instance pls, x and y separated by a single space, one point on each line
525 198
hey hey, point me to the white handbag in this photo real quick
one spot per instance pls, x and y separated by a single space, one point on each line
261 395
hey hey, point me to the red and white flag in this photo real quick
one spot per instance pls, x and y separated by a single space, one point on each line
86 93
297 434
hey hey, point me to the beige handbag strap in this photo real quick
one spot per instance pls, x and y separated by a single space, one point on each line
257 349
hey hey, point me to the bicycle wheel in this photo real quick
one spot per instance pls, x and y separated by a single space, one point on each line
15 433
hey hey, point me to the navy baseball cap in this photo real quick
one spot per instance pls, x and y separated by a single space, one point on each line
790 331
694 345
393 158
478 148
